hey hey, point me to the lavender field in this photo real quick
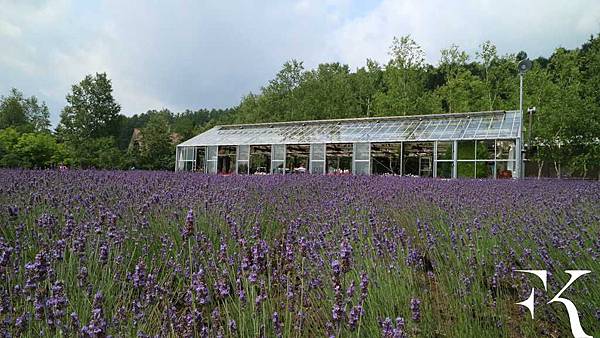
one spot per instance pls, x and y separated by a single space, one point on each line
98 253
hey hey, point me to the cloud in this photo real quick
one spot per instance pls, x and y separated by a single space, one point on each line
536 26
9 30
194 54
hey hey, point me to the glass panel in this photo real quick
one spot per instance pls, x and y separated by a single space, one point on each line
444 169
485 149
418 130
212 153
418 159
483 129
361 168
188 153
466 150
201 159
211 167
296 158
317 167
484 169
188 165
317 152
444 150
277 167
226 160
465 169
242 168
386 158
244 152
177 157
339 158
361 151
472 127
260 160
278 152
505 149
504 169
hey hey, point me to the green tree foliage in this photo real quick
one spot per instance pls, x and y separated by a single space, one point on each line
30 150
89 124
99 153
366 83
463 91
9 137
38 150
156 149
404 81
91 110
24 114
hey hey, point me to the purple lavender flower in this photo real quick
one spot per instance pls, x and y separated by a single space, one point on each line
103 256
232 326
22 321
139 275
356 312
364 285
335 266
277 325
37 271
199 288
97 325
57 303
415 308
188 229
387 329
350 290
346 255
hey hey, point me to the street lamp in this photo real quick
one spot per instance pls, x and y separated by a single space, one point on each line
524 66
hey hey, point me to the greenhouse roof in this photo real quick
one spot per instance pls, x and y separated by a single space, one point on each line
476 125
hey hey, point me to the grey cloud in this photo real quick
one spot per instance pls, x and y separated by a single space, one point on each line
189 54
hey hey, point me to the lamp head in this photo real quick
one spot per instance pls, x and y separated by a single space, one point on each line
524 66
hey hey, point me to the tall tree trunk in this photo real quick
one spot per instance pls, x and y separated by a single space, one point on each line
557 169
540 167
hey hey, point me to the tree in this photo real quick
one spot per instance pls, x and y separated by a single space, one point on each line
37 150
91 111
367 82
280 100
406 53
404 81
157 150
9 137
24 114
462 91
98 153
327 93
498 74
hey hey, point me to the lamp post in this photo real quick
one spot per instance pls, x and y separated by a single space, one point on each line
524 66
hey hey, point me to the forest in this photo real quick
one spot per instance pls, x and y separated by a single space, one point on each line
94 132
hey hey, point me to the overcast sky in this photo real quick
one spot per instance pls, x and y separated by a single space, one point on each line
203 54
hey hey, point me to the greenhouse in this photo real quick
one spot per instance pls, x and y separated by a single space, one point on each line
468 145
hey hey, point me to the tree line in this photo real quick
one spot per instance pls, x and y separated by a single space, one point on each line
564 87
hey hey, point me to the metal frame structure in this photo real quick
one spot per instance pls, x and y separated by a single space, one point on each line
361 132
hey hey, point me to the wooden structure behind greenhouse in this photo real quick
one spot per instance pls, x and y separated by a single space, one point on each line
478 145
